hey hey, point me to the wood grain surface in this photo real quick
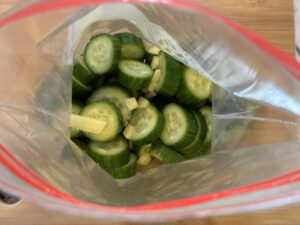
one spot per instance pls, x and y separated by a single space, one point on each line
271 19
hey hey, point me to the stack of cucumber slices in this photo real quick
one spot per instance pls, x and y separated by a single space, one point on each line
131 105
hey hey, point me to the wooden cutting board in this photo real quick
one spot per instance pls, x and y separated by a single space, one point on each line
272 19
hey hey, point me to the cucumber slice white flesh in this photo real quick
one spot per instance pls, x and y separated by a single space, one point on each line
207 113
102 54
180 126
154 50
116 95
165 154
150 95
80 90
86 124
143 154
155 62
194 88
132 47
131 103
126 171
129 131
170 75
104 111
197 143
154 82
143 103
82 73
145 126
76 109
110 154
134 74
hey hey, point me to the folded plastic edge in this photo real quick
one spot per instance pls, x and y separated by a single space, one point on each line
28 176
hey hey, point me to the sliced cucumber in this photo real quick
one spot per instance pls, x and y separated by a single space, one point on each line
76 109
165 154
154 81
155 62
134 93
131 103
194 88
80 90
145 126
126 171
134 74
197 143
180 126
104 111
86 124
132 47
170 75
110 154
199 151
116 95
82 73
143 154
143 103
102 54
154 50
207 113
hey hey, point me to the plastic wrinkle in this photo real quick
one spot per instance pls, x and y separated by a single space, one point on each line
46 188
290 62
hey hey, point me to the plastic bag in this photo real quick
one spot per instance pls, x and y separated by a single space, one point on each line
255 157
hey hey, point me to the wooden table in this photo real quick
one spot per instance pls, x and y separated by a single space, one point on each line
272 19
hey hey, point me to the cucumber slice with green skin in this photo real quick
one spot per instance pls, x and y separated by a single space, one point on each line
102 54
110 154
116 95
126 171
104 111
170 75
82 73
76 109
180 126
134 93
80 90
132 47
194 88
165 154
134 74
199 151
145 126
200 137
143 154
207 113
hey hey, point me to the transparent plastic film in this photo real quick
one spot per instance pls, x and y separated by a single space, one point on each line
256 104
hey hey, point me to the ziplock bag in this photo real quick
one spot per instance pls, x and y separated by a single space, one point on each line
255 156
